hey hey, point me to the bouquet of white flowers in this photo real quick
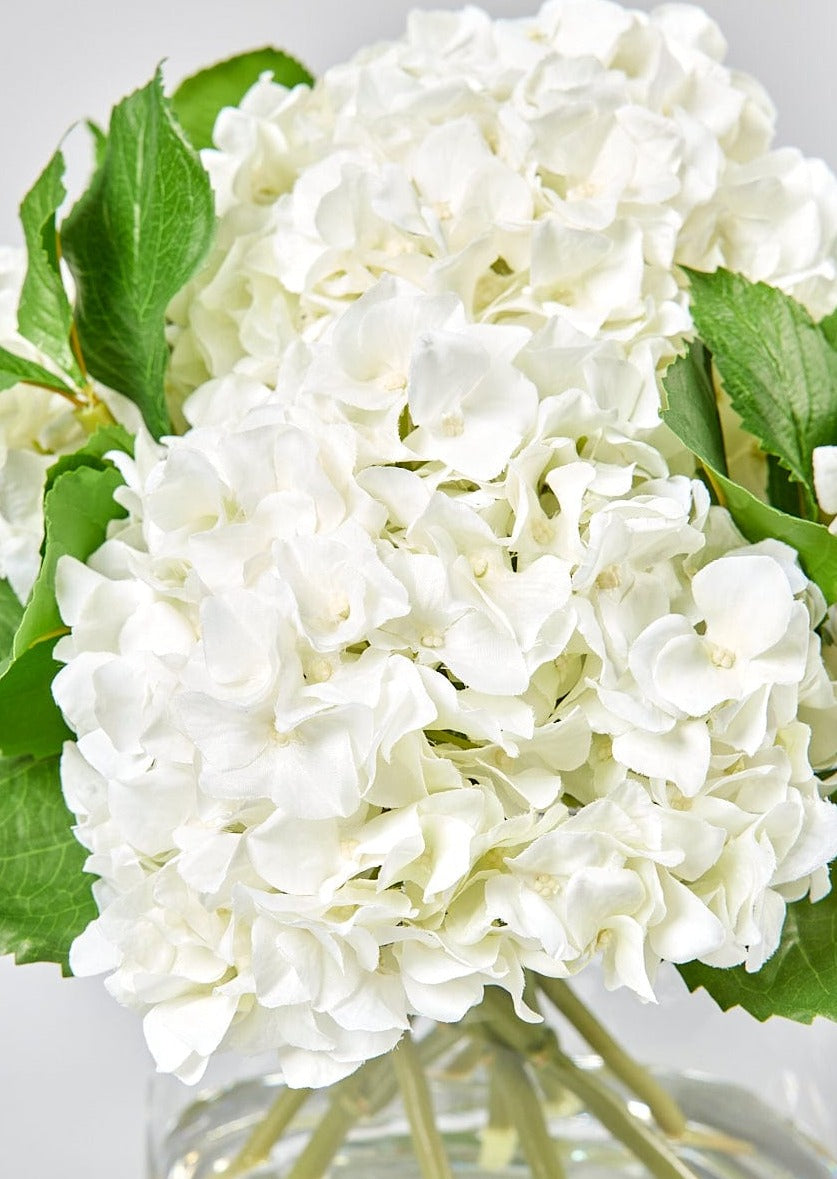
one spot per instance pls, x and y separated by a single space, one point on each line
414 518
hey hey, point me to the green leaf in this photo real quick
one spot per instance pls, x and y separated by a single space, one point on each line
30 721
132 241
692 410
799 982
44 314
45 897
817 547
782 492
77 509
100 141
198 100
828 327
16 370
92 454
11 612
776 365
692 414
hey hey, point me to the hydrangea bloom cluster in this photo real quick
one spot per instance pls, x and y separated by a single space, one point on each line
420 659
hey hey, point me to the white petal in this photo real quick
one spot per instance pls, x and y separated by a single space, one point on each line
746 601
825 478
680 756
689 930
295 857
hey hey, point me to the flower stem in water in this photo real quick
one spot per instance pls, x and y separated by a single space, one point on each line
364 1093
524 1107
415 1094
349 1103
498 1138
664 1109
258 1146
606 1107
466 1062
538 1043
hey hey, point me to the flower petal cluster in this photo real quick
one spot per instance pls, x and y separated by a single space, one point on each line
420 660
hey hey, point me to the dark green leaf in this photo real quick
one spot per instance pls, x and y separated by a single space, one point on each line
132 241
45 897
15 370
44 314
77 509
693 416
782 492
198 100
776 365
800 980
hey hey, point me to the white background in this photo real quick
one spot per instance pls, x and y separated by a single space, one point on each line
73 1068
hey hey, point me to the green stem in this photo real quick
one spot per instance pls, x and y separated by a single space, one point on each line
441 1039
94 413
258 1146
67 394
348 1104
664 1109
540 1044
466 1062
415 1094
525 1110
498 1139
75 345
496 1019
498 1107
557 1099
651 1150
363 1094
324 1142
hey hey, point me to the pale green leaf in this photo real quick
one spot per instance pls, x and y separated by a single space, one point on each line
199 99
78 506
45 895
800 980
693 416
77 510
132 241
44 314
776 364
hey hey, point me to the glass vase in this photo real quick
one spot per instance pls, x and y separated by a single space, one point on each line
731 1134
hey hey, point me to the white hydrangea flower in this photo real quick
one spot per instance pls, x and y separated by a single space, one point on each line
419 661
825 480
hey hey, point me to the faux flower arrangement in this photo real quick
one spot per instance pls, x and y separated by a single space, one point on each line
419 577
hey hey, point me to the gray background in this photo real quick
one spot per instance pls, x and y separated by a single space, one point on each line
73 1068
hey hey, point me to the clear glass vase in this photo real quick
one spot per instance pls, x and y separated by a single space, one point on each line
732 1134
